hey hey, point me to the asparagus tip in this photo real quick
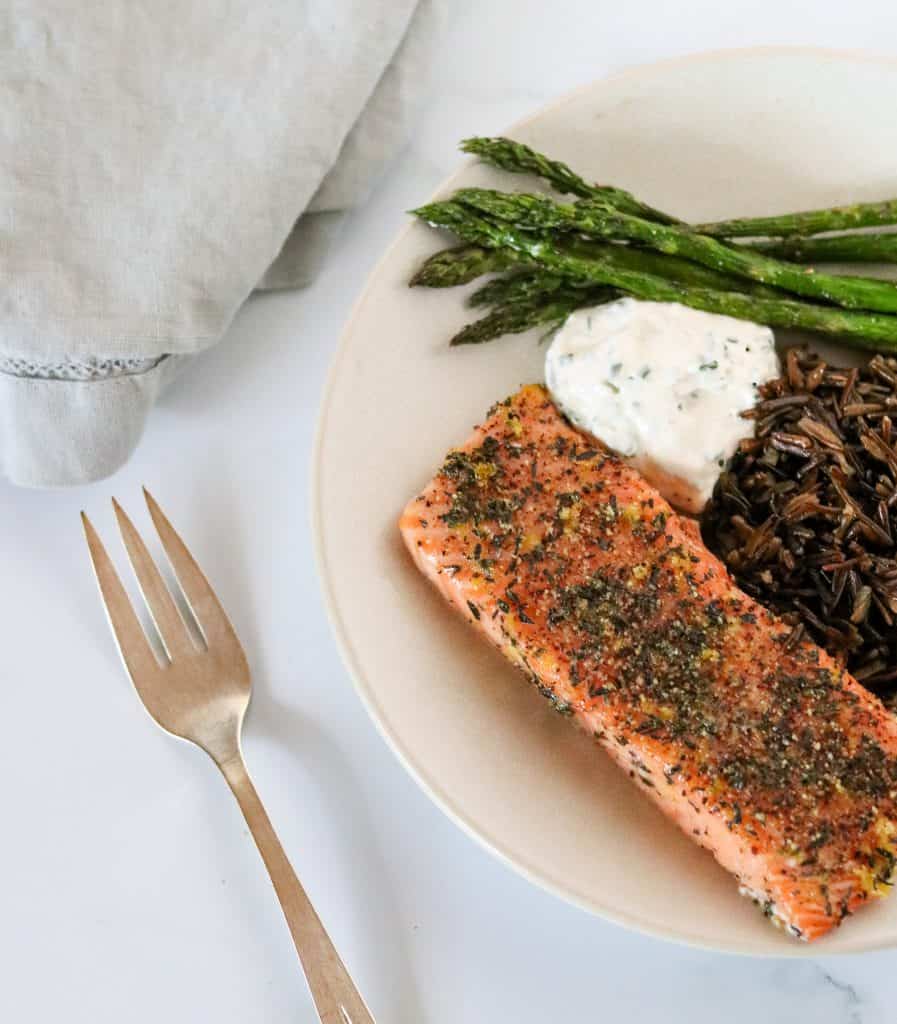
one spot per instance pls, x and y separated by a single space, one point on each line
424 213
469 335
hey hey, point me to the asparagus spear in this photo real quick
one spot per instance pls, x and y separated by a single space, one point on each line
460 265
674 267
551 308
877 247
598 219
518 158
810 222
463 263
861 330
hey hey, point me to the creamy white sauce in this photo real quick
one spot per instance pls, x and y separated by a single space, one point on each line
664 386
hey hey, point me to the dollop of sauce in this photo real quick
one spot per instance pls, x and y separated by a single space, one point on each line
664 386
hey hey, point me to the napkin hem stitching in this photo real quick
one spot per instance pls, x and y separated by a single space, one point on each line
91 369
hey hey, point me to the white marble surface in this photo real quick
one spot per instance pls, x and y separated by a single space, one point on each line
129 890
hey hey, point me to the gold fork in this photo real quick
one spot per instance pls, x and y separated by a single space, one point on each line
201 695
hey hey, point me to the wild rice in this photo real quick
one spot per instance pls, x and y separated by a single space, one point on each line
805 515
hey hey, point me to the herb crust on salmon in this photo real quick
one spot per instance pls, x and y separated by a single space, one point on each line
756 743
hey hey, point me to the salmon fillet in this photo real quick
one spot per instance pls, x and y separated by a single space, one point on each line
757 745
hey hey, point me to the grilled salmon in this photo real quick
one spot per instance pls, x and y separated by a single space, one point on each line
756 743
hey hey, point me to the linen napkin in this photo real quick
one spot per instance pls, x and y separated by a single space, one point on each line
158 161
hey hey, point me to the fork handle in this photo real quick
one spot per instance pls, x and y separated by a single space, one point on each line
335 996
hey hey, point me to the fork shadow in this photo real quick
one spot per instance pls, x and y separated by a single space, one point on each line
365 881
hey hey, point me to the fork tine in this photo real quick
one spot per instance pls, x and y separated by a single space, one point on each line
211 617
158 598
132 642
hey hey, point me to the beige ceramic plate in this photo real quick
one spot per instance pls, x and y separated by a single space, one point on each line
706 137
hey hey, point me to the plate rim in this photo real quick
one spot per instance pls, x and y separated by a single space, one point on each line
341 634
